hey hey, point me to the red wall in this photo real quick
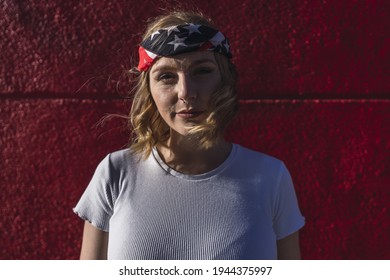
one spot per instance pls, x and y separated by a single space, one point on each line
314 92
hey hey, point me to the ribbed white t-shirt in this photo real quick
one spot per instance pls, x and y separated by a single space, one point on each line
236 211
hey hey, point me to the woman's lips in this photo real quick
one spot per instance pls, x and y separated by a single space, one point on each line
189 114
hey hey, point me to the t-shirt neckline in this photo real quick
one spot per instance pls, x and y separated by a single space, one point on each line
202 176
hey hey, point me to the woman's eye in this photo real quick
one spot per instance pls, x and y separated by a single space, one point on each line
166 77
202 71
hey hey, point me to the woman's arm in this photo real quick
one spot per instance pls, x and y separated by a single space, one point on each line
288 247
95 243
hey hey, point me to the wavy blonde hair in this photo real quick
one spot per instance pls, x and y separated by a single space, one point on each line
148 127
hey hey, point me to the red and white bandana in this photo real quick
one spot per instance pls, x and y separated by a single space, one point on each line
180 39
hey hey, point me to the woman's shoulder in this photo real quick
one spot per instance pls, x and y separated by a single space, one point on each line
121 160
254 156
122 155
249 161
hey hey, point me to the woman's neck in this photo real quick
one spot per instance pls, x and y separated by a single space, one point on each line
185 155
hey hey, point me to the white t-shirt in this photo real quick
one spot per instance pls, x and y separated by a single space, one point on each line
236 211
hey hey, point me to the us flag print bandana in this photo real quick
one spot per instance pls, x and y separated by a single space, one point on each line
180 39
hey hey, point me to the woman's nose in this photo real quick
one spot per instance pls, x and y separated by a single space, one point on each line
186 88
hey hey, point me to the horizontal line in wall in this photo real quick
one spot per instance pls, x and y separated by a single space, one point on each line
242 101
308 100
59 96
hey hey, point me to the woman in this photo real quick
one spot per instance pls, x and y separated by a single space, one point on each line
181 191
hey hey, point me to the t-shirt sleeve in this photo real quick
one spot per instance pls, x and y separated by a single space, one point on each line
287 215
97 202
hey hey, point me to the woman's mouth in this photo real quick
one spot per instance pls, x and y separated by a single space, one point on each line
188 114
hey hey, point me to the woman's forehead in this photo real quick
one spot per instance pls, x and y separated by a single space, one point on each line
184 60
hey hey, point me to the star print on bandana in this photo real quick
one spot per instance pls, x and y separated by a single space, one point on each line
178 42
178 39
193 28
154 34
171 29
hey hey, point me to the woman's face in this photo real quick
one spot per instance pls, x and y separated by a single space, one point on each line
182 86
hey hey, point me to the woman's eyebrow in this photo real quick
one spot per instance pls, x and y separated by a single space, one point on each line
163 68
203 60
192 64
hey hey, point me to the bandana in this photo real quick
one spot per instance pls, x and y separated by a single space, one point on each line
180 39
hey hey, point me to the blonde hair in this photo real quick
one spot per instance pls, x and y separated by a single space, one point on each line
148 127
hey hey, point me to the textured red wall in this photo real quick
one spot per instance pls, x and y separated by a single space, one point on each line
314 92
